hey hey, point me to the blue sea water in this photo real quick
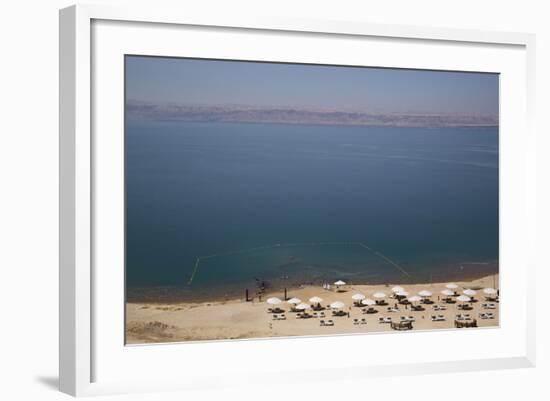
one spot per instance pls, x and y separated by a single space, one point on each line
290 204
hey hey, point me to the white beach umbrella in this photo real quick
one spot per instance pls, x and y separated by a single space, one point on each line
294 301
397 289
463 298
358 297
316 300
402 294
339 282
337 305
425 293
469 292
303 306
447 293
368 302
490 291
452 286
414 298
379 295
274 301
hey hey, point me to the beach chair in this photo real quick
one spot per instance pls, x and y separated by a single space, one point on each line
330 323
355 321
322 323
371 310
384 319
282 317
363 321
490 315
274 317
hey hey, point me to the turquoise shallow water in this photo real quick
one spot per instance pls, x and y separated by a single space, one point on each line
290 204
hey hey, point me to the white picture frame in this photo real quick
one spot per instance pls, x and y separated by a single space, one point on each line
81 345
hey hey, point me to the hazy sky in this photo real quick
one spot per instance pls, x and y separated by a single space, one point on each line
176 80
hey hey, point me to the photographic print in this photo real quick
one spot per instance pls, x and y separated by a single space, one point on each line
269 199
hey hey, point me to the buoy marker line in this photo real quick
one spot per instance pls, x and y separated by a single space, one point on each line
287 245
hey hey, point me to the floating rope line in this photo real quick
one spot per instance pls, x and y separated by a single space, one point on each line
287 245
380 254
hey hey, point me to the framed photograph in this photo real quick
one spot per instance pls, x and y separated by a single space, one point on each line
247 198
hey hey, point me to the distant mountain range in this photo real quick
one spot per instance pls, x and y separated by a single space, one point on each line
289 115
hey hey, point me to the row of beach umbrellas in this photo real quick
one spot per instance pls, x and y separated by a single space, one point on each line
298 304
397 290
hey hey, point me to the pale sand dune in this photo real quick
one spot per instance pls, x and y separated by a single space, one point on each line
152 323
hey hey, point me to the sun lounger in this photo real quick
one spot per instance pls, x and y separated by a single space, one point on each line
391 309
417 308
384 319
363 321
329 323
356 321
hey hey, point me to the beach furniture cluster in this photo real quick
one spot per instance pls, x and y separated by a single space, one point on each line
400 301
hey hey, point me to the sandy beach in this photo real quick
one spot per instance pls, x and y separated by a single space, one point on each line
237 319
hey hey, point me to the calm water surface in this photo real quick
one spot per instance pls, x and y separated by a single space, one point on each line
290 204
